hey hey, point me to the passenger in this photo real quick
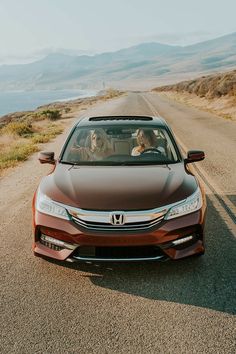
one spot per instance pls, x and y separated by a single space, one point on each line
146 139
98 147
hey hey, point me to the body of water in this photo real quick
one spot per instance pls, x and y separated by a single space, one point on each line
16 101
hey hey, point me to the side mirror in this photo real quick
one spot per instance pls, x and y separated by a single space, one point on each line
46 157
194 156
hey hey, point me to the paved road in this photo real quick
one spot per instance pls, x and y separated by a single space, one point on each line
173 307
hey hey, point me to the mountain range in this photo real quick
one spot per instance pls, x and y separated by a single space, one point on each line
147 62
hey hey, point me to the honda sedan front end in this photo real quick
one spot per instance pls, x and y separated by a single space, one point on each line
118 206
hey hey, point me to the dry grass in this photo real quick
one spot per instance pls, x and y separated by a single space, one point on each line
18 140
10 156
17 128
211 86
44 137
6 140
111 93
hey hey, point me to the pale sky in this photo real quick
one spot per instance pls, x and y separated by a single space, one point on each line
31 26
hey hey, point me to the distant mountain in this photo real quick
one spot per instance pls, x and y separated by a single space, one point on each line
40 54
76 52
145 61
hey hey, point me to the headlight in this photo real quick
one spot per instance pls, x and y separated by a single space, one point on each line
48 206
191 204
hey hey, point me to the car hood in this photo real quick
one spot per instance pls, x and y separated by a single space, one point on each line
118 187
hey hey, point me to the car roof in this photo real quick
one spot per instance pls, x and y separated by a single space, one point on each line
117 120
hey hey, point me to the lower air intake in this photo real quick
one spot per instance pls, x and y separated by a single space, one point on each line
127 253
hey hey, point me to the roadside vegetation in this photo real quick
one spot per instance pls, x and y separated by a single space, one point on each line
211 86
111 93
51 114
21 133
18 140
213 93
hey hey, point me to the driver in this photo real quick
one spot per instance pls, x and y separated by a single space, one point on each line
146 139
98 147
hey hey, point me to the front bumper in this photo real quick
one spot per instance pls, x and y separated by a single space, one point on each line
158 243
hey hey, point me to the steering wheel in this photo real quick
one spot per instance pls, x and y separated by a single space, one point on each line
151 150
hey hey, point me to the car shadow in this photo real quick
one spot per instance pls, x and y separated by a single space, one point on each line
207 281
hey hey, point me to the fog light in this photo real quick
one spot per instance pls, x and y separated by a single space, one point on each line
182 240
56 244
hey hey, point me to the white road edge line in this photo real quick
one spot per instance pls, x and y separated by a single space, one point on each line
212 189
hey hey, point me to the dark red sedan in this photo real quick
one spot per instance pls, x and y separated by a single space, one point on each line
119 191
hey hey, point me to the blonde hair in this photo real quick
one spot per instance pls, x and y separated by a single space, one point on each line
105 142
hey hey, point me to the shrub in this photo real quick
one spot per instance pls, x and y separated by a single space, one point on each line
52 114
111 93
52 132
18 128
17 152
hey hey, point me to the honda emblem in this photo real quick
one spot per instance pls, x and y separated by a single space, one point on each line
117 218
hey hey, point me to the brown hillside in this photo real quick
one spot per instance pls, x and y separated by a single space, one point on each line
211 86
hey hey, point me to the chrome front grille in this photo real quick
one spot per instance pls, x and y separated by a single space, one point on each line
131 220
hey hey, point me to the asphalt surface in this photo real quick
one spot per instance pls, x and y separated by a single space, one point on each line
173 307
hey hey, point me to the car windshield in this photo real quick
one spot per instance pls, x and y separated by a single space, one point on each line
120 145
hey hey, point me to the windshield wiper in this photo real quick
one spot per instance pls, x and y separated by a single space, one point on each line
70 163
140 163
116 163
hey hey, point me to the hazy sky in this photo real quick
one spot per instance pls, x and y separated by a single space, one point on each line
29 26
